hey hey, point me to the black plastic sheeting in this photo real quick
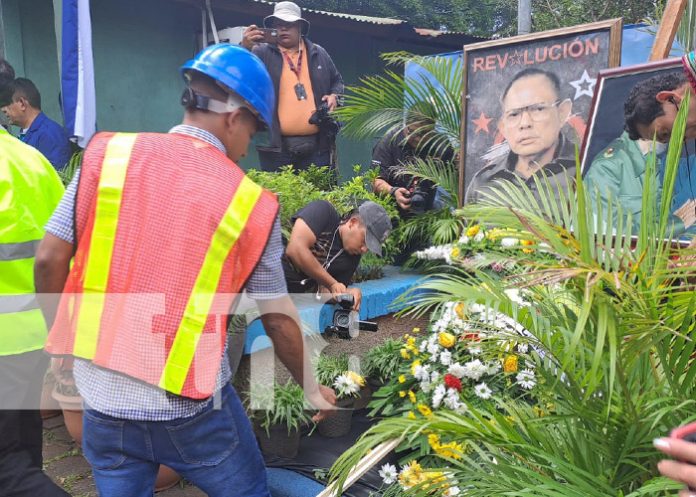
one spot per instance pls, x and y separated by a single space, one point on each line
319 453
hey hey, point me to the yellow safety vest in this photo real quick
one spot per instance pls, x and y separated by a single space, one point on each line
30 190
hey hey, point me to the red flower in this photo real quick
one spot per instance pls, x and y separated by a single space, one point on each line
452 381
474 337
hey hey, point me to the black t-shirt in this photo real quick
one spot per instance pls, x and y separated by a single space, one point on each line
323 219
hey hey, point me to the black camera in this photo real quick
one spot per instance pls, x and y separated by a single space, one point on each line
420 193
346 322
322 118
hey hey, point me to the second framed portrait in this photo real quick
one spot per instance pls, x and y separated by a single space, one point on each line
526 103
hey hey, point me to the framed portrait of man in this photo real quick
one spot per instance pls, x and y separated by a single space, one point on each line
615 149
525 104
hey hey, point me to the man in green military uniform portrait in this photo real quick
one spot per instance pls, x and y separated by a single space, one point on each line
533 116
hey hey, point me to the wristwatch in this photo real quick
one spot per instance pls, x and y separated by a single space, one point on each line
392 190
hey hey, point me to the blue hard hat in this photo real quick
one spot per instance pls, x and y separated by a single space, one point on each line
240 71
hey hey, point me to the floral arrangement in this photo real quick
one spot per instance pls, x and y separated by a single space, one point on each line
470 355
476 246
413 476
348 385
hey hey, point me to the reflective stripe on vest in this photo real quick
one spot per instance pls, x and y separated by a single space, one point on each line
18 303
101 248
15 251
201 298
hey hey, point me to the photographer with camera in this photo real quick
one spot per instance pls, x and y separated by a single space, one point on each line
392 155
324 249
308 86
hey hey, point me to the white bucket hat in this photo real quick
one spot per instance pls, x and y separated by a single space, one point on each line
288 12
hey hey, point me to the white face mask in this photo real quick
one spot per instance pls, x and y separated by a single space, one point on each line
658 147
648 146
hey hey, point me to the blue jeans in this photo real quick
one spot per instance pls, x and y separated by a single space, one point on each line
215 450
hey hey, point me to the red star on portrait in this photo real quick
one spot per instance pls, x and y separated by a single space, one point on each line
482 123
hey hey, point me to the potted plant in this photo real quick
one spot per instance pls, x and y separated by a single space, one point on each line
382 362
347 386
279 422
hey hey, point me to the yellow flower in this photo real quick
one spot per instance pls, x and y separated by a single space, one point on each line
494 234
473 230
412 396
357 379
510 364
416 330
414 365
411 342
434 441
459 310
447 340
405 354
402 378
412 474
452 450
402 393
455 253
411 415
527 243
425 410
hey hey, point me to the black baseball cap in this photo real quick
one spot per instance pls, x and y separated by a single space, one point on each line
377 224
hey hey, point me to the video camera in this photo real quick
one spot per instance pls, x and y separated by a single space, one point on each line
322 118
346 321
420 192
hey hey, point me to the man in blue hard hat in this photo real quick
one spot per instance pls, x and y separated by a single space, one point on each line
192 232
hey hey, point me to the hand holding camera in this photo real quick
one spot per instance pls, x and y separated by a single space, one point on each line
254 34
346 321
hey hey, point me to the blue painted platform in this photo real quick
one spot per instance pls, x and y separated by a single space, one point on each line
378 299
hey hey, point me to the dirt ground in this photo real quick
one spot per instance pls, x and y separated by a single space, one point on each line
63 460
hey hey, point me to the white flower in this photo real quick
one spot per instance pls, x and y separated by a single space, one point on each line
475 350
474 369
426 386
446 357
479 236
452 399
438 395
515 296
526 379
481 390
434 376
464 240
509 242
388 474
457 370
345 386
493 367
451 492
522 348
433 347
422 373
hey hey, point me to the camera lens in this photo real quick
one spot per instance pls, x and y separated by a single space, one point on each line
342 320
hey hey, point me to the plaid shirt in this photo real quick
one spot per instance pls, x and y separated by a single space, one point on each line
123 397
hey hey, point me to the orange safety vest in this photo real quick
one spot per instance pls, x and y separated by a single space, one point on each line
168 230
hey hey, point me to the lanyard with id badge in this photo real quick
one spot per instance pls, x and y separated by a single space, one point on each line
300 90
